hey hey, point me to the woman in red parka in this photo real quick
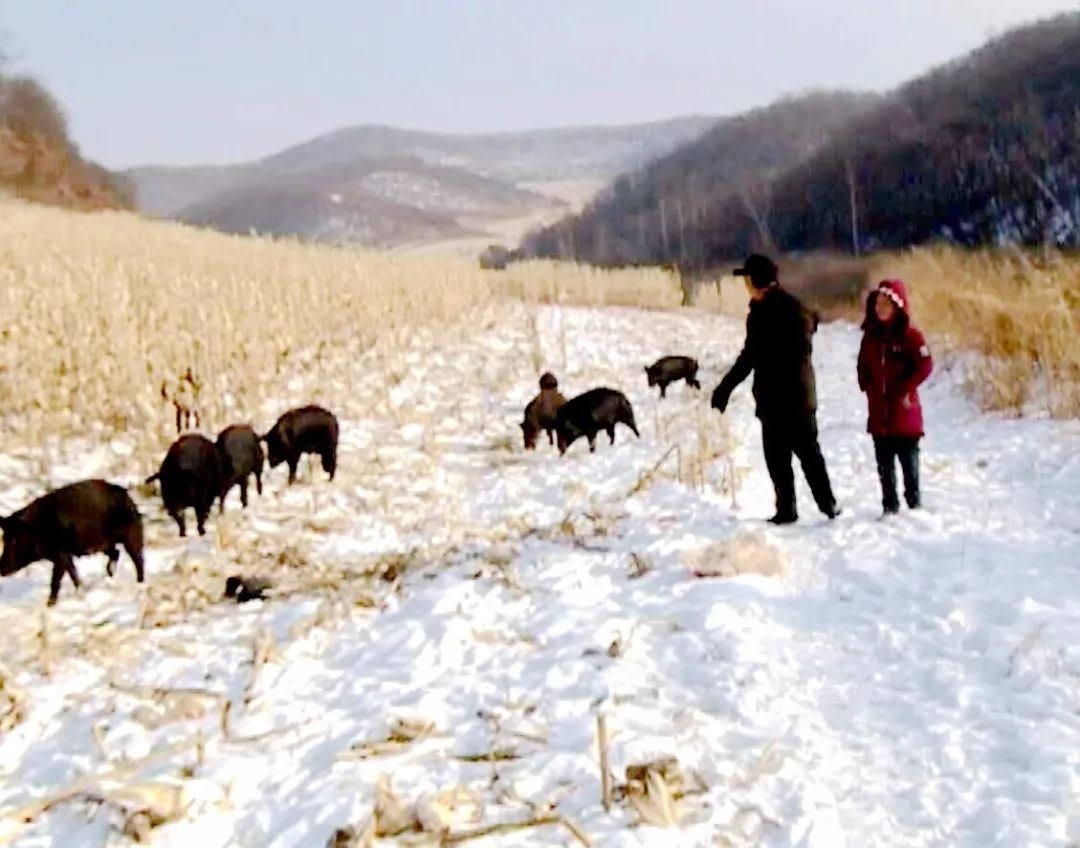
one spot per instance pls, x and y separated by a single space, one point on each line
893 361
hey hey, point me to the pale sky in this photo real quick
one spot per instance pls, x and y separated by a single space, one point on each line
163 81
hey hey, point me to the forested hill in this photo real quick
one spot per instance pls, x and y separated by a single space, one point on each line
983 150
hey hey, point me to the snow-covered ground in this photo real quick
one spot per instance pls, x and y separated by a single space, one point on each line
914 682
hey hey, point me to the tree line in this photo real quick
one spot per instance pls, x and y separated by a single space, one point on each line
983 150
38 159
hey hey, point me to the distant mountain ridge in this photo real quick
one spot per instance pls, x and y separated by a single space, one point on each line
380 174
528 156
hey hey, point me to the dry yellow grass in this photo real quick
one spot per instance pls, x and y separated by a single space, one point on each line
1019 310
581 285
103 310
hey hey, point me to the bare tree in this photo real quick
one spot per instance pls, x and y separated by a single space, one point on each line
663 227
28 109
757 198
682 232
853 206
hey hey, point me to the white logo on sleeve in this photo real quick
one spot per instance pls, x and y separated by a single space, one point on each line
924 351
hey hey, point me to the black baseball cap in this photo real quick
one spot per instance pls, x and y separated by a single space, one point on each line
761 270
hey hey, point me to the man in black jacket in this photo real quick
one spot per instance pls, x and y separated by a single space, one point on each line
777 349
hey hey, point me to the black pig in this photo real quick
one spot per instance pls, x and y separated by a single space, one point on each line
310 429
246 589
191 475
88 517
241 456
540 412
589 413
669 369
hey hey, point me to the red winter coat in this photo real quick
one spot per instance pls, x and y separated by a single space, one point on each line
893 361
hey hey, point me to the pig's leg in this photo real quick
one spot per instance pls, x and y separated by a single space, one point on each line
54 582
592 442
258 482
663 390
329 462
62 564
293 462
243 491
551 437
134 549
69 567
178 517
202 512
611 433
113 555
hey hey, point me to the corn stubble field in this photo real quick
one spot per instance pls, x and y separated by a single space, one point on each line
115 323
104 311
106 314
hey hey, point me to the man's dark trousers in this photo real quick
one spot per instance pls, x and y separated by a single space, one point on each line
795 435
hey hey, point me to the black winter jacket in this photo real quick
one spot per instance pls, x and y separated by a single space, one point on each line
777 349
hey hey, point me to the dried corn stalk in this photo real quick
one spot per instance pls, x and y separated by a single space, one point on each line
12 703
656 790
403 732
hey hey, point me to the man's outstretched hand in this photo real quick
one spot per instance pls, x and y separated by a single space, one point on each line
719 398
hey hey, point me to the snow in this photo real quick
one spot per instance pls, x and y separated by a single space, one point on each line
911 682
426 192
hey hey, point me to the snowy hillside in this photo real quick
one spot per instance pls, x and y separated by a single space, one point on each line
559 153
404 186
455 613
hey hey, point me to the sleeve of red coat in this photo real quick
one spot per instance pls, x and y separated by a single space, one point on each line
922 363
